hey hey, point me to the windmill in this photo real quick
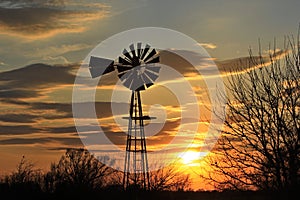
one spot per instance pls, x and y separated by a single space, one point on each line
137 71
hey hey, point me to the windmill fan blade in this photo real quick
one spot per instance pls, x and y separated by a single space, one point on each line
128 82
153 68
137 83
151 75
132 50
100 66
152 53
126 54
124 75
145 78
122 68
139 50
141 88
145 51
149 84
154 60
124 61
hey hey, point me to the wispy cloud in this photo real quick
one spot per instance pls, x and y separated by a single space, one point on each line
15 4
57 50
54 54
2 63
208 45
64 141
43 19
245 64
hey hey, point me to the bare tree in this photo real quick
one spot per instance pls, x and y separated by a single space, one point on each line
169 179
25 178
77 169
259 147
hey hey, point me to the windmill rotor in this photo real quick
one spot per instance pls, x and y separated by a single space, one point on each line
135 67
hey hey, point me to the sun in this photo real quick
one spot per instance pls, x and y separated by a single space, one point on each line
189 157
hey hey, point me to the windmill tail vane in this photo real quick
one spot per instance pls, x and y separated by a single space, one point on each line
137 71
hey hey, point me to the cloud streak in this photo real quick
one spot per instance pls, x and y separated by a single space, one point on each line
245 64
208 45
43 19
57 50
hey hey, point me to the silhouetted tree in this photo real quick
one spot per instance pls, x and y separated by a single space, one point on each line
259 147
25 178
164 179
169 179
77 170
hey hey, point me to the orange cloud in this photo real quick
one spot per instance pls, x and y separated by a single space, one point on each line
208 45
245 64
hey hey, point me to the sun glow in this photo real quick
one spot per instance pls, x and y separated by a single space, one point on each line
190 157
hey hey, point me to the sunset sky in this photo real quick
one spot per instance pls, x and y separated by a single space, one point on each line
44 42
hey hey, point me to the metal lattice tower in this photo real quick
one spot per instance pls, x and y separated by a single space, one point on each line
137 71
136 162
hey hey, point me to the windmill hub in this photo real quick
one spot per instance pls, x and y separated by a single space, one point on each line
136 61
140 69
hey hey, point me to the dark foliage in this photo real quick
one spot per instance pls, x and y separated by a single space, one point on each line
79 175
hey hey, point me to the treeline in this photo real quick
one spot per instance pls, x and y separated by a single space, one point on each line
79 175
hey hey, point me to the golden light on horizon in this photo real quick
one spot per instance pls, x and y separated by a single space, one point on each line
191 158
